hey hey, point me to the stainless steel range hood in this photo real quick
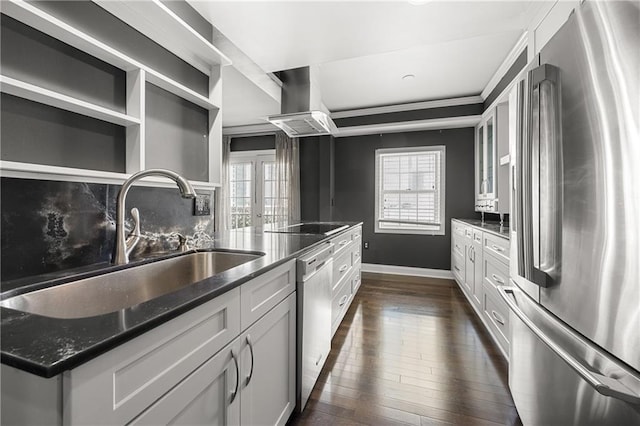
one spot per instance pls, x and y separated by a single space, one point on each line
302 110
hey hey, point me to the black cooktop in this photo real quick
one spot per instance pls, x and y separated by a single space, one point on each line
311 228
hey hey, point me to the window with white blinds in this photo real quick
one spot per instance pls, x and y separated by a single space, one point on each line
410 190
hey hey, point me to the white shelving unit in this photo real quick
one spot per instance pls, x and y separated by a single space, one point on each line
192 48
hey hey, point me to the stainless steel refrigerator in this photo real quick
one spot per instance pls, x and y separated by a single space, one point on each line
575 225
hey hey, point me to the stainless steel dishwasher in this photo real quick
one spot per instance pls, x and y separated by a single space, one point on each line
314 276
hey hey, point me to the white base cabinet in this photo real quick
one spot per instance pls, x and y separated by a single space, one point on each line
249 382
480 265
202 367
347 272
268 367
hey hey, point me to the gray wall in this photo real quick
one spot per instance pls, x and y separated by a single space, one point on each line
355 194
253 143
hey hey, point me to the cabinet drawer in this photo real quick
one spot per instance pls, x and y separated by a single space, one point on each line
356 280
357 233
340 302
457 245
116 387
495 272
457 267
496 312
342 242
458 228
259 295
357 251
341 268
496 246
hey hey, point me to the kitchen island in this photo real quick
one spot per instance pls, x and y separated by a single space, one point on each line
53 350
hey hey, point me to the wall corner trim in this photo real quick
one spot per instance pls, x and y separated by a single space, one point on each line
407 270
517 49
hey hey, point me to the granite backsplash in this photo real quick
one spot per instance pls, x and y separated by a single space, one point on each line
52 226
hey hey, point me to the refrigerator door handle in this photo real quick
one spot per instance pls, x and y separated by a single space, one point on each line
545 169
604 385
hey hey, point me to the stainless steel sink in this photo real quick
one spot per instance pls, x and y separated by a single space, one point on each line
122 289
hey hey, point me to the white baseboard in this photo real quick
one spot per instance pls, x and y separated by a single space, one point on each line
407 270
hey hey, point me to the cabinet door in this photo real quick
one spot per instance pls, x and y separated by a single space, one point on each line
469 269
268 366
477 269
480 159
208 396
490 157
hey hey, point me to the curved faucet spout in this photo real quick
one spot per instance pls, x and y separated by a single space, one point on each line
123 247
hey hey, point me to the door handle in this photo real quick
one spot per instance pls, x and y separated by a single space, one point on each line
604 385
497 317
258 214
497 279
252 360
234 393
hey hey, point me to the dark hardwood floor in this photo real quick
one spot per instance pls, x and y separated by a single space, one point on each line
411 351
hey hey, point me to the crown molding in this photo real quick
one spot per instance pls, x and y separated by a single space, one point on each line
466 100
410 126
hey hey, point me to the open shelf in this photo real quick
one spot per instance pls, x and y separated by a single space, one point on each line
34 93
42 171
159 23
179 90
42 21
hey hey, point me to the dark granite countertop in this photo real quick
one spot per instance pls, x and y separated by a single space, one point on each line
48 346
493 227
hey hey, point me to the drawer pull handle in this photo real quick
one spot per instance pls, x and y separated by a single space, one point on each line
497 279
457 269
343 300
234 393
357 254
497 317
252 362
497 248
319 359
343 242
343 268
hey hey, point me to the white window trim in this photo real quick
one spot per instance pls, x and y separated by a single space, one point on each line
417 149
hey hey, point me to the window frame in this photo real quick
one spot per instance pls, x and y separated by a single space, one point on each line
257 158
379 154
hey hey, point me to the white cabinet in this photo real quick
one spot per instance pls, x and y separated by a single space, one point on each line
491 175
268 367
347 272
485 155
480 264
249 382
140 152
202 367
208 396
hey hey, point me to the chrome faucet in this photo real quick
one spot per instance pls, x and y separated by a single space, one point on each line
125 244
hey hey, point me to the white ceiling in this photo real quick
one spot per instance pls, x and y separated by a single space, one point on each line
363 48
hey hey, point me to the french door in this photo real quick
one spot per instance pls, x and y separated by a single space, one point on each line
252 188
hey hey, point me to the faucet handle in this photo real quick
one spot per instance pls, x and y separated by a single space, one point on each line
136 223
182 241
134 235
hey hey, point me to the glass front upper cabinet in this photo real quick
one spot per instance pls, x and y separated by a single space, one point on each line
486 158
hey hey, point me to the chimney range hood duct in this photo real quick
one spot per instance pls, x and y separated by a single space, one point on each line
302 110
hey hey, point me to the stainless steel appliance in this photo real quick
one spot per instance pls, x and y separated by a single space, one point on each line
314 271
575 225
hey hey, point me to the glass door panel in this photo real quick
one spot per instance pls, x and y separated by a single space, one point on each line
240 191
490 156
